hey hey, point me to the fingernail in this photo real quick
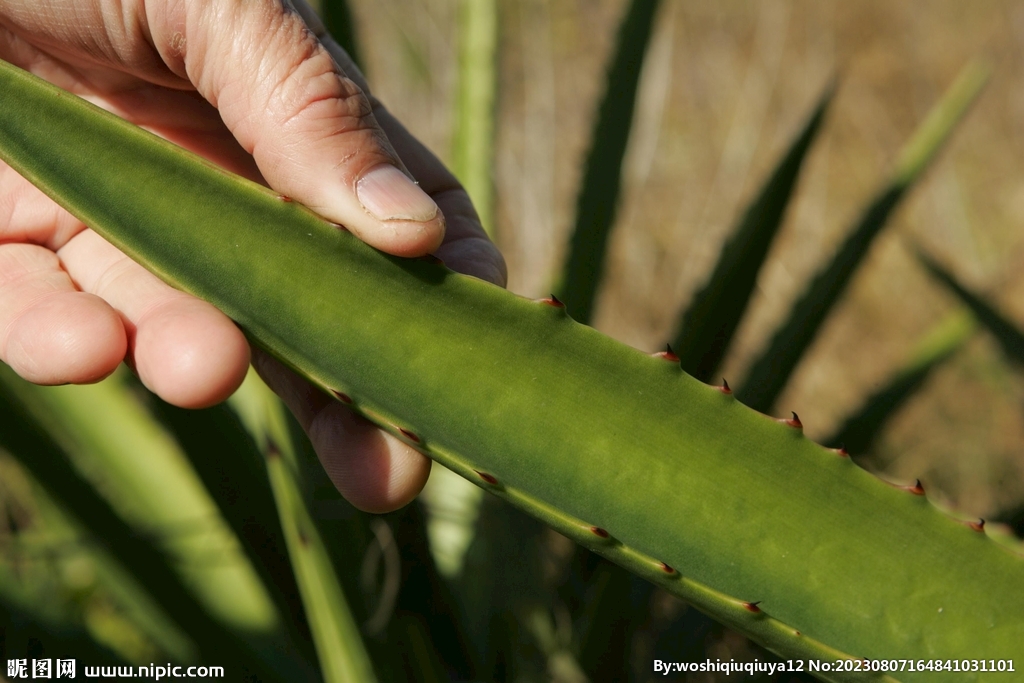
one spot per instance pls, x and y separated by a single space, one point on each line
388 195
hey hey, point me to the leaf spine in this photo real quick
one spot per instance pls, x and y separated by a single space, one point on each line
752 607
917 489
668 569
409 435
793 422
668 354
343 397
284 198
598 531
841 451
488 478
553 301
978 526
725 388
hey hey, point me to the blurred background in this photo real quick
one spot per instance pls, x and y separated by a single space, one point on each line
726 86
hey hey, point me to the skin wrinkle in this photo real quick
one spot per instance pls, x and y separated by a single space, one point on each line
101 33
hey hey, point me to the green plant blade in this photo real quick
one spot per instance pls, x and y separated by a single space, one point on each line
36 563
339 644
231 467
599 193
27 431
617 450
858 432
159 495
1006 333
770 372
473 158
708 325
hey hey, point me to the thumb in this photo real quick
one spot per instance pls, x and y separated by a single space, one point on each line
310 128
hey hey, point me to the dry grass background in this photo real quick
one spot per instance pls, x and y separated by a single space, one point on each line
726 85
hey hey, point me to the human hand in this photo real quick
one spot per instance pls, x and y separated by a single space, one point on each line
258 88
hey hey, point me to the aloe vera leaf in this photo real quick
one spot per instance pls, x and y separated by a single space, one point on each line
704 334
473 158
858 431
55 540
707 327
772 369
159 495
598 196
1006 333
339 644
346 536
617 450
27 433
225 457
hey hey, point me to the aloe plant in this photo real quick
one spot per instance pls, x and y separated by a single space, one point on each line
735 512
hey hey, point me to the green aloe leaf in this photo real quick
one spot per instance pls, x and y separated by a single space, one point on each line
858 432
55 575
771 371
1006 333
473 159
159 495
231 467
599 193
339 644
708 325
734 512
34 435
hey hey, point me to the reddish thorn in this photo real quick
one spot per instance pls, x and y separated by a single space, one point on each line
553 301
430 258
917 489
409 435
797 634
489 478
725 388
339 226
598 531
977 526
793 422
841 451
344 398
752 607
666 568
668 354
284 198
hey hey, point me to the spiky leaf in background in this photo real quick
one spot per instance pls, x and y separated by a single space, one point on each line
770 372
598 196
